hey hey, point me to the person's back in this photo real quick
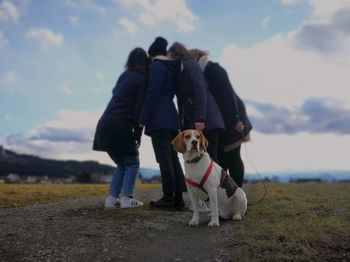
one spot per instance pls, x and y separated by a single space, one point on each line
159 111
125 98
198 104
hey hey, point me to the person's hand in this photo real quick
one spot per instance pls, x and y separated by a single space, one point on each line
199 126
239 127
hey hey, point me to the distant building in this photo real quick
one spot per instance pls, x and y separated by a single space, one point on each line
12 178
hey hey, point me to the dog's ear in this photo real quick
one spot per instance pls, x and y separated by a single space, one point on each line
178 143
204 141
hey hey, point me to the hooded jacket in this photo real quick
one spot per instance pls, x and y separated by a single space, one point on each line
158 110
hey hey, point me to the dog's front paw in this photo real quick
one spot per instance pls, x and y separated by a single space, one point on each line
193 222
214 223
236 217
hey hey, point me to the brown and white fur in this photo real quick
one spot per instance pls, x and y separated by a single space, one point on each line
192 143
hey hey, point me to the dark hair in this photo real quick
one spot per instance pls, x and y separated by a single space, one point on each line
179 51
137 61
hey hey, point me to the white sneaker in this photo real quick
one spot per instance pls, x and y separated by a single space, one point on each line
111 202
129 202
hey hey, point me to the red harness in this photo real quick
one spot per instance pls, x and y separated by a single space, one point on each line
204 178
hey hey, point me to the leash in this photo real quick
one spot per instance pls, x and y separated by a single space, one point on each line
262 181
249 160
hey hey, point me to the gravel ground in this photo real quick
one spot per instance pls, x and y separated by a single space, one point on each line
82 230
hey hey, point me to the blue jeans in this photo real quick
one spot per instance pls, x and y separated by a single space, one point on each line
124 176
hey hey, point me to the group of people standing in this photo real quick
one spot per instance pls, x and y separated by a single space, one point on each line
143 98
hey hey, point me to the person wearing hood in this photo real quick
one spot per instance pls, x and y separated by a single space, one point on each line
197 107
233 110
161 121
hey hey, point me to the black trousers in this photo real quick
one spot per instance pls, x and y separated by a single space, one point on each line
233 162
173 180
213 143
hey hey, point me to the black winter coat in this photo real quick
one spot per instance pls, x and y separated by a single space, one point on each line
195 102
158 110
231 106
117 131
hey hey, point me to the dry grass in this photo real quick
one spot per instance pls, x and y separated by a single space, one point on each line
296 222
15 195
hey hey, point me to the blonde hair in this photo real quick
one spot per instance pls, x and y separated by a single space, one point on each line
197 53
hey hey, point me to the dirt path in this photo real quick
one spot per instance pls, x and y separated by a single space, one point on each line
82 230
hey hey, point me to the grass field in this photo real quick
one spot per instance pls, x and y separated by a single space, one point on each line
16 195
295 222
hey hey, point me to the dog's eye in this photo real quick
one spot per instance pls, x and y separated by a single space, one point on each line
187 137
198 137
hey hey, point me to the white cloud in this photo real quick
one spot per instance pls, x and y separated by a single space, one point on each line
290 2
9 82
46 37
3 40
100 76
89 5
129 26
153 12
66 89
7 117
324 8
9 11
70 136
302 152
265 22
73 20
276 72
147 19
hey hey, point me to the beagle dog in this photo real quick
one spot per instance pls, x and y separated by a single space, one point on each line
206 178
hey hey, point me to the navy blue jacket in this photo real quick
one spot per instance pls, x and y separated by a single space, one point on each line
195 102
117 130
158 110
231 106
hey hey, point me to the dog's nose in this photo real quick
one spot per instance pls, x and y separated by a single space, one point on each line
194 142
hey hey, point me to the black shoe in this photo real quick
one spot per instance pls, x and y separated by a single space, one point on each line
179 205
162 204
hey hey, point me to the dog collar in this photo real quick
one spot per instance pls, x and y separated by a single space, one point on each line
195 160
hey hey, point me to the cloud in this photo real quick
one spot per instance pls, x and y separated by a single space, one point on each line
155 12
9 11
290 2
327 36
3 40
66 89
89 5
275 71
69 136
100 76
129 26
73 20
9 81
265 22
316 115
46 37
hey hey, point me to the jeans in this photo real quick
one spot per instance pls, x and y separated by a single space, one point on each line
173 180
124 176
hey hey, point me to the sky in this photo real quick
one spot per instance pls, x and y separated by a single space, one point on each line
289 60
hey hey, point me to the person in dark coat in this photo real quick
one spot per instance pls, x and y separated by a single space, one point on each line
118 132
161 121
235 116
197 107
